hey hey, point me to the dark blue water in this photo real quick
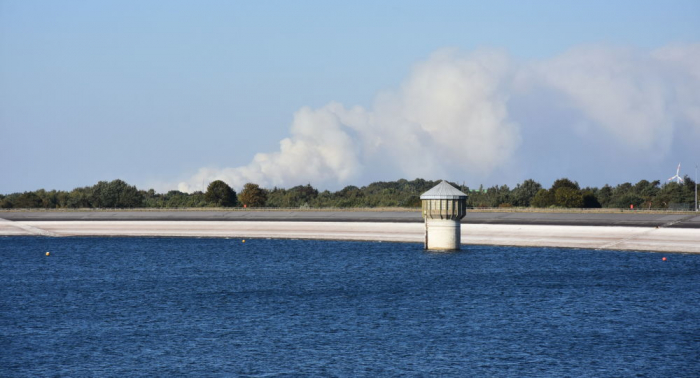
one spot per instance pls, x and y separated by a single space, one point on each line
265 308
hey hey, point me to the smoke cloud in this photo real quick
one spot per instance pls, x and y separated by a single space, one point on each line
625 94
453 116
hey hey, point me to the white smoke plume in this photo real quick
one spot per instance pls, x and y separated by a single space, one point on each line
318 148
452 115
626 94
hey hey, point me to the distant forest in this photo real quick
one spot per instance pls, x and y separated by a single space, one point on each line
564 193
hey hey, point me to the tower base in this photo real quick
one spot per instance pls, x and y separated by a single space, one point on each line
442 234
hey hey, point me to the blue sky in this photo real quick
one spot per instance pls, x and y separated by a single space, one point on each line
170 94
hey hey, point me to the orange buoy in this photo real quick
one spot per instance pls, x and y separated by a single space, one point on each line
47 253
663 259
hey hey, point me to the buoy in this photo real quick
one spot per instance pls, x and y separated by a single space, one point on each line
243 241
663 259
47 253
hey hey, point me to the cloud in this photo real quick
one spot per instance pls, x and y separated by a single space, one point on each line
627 94
451 111
319 147
681 66
453 115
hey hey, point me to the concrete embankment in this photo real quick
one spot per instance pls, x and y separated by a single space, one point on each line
629 219
624 231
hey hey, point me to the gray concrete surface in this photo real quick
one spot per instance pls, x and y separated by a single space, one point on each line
663 239
204 215
628 219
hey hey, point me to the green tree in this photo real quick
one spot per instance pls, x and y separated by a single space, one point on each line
27 200
5 202
568 197
543 198
195 199
49 200
252 195
79 198
294 197
116 193
525 192
177 199
502 197
566 193
647 191
675 195
220 194
350 196
624 201
564 183
604 195
590 201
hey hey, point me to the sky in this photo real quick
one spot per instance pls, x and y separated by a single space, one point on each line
175 94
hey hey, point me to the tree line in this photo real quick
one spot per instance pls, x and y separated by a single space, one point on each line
563 193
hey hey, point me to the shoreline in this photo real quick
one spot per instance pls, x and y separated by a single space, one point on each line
661 239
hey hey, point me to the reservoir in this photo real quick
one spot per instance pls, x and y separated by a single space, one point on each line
298 308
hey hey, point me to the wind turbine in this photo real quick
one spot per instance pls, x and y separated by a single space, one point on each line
677 177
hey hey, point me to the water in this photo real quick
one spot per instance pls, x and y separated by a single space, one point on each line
285 308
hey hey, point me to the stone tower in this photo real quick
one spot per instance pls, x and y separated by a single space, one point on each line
443 207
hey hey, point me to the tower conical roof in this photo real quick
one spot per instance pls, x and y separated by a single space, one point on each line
443 190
